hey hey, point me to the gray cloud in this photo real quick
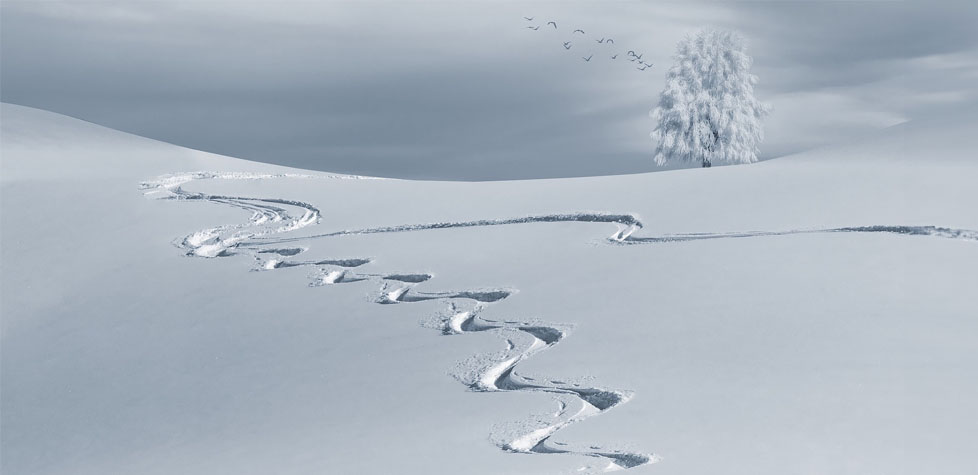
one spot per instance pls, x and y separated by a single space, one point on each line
462 91
846 33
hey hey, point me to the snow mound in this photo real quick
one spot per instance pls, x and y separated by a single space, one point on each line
771 313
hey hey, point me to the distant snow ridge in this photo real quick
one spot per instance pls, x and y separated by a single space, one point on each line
271 217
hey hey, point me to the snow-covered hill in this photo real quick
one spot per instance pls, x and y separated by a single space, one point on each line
172 311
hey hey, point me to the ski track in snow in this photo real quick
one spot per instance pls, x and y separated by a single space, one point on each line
271 217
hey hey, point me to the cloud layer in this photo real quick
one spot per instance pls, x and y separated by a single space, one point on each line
465 90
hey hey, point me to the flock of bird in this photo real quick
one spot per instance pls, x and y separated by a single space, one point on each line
630 55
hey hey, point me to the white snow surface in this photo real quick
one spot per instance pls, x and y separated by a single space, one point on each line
166 311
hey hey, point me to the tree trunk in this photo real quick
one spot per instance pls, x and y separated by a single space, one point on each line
712 147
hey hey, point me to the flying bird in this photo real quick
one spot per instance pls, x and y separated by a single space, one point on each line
638 56
534 28
575 31
567 45
643 68
588 59
600 41
528 18
614 57
552 23
611 41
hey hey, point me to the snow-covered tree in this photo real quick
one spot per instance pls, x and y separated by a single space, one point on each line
707 112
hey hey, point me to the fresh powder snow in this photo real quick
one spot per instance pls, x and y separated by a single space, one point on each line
172 311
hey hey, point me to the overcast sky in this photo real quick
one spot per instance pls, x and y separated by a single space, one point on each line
464 90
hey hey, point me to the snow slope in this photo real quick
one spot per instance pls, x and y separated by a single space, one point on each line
171 311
